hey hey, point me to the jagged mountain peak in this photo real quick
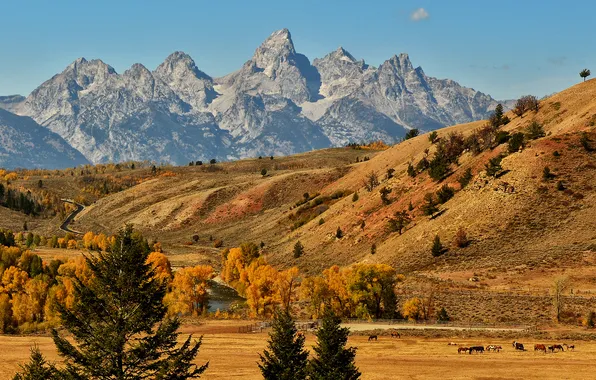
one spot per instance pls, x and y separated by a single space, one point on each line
82 65
278 46
179 64
402 63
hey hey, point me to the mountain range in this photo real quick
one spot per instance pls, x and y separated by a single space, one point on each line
277 103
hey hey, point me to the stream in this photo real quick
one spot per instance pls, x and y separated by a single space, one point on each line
221 296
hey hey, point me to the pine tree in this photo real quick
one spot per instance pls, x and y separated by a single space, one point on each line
333 361
437 249
37 368
584 74
298 249
118 321
285 357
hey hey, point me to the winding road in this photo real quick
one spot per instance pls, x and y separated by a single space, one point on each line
64 226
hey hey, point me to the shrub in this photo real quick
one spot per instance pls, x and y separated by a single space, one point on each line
263 172
442 315
585 142
445 193
465 178
556 153
411 133
461 238
218 243
339 233
400 220
371 181
195 238
438 168
534 130
298 249
560 186
494 168
411 170
410 206
355 197
437 247
502 137
432 137
212 161
430 205
373 248
385 195
547 174
321 221
472 143
590 320
390 172
516 142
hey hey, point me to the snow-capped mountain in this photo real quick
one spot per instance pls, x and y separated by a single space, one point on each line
26 144
277 103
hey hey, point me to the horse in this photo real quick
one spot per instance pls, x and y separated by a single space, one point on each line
569 346
479 349
462 349
371 337
518 346
540 347
395 334
452 344
492 347
551 348
557 347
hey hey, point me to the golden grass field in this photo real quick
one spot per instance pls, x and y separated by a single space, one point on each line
233 356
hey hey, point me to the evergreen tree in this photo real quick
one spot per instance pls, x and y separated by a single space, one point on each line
118 321
333 361
285 357
437 249
584 74
37 368
298 249
494 168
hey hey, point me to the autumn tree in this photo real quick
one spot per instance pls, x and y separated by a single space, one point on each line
189 290
413 309
333 361
372 285
285 357
161 266
287 282
559 287
118 322
316 290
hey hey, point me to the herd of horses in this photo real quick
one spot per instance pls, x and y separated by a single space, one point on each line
492 347
516 345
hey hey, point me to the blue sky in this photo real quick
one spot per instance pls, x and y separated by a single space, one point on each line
504 48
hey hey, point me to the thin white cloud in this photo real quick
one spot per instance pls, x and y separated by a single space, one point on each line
419 15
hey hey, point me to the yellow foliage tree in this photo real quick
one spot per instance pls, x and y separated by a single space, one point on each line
413 309
14 280
189 290
261 292
286 284
316 291
161 265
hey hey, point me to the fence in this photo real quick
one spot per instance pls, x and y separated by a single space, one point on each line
254 327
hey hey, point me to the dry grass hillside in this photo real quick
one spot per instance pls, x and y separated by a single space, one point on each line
523 230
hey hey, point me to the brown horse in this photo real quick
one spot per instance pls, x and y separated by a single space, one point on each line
371 337
395 334
540 347
570 347
494 348
557 347
462 349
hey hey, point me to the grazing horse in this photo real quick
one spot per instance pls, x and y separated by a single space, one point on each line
479 349
540 347
569 347
452 344
551 348
492 347
518 346
557 347
371 337
462 349
395 334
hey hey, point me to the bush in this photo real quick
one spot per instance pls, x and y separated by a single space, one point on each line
560 186
445 193
585 142
355 197
442 315
411 170
321 221
390 172
438 168
534 130
400 220
502 137
411 134
263 172
432 137
516 142
430 205
212 161
461 238
465 178
590 320
298 249
339 233
494 168
218 243
373 248
371 181
437 247
385 195
547 174
195 238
